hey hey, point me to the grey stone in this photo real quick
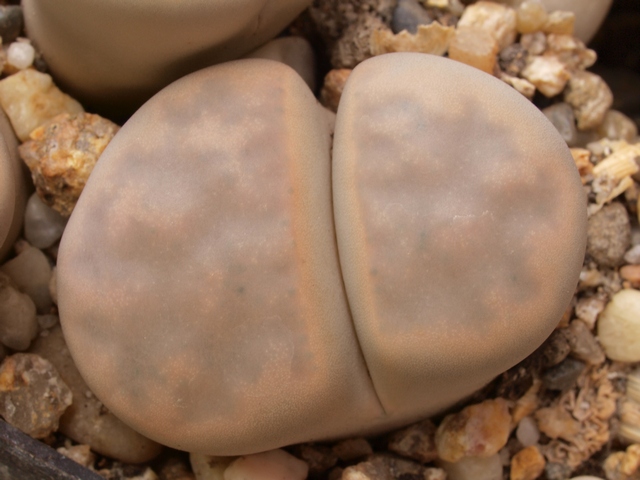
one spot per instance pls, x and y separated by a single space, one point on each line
563 375
408 15
11 23
43 226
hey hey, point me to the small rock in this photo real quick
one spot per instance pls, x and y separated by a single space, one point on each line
386 467
525 87
354 45
631 273
31 272
86 421
20 55
584 345
633 255
45 322
474 468
497 20
206 467
334 83
173 468
609 235
408 15
590 98
318 457
619 327
534 43
562 117
527 432
352 449
433 39
556 422
43 226
475 47
571 51
556 348
18 324
557 471
79 453
478 430
617 126
563 375
271 465
547 73
416 441
527 464
531 16
32 394
61 155
513 59
29 98
588 309
11 22
560 22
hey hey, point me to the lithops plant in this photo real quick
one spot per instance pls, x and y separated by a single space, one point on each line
14 187
113 54
227 287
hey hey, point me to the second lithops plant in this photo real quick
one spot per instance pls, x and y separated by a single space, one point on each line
228 283
114 54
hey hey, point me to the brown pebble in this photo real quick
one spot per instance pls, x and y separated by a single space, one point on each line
631 273
609 235
331 92
556 348
527 464
32 394
416 441
319 457
478 430
352 448
62 153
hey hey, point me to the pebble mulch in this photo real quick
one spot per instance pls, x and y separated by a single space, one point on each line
570 410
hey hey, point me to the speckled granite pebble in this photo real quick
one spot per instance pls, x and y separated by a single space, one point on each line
609 235
32 394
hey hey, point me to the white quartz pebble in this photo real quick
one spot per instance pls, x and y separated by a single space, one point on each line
31 272
271 465
43 226
474 468
20 55
527 432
